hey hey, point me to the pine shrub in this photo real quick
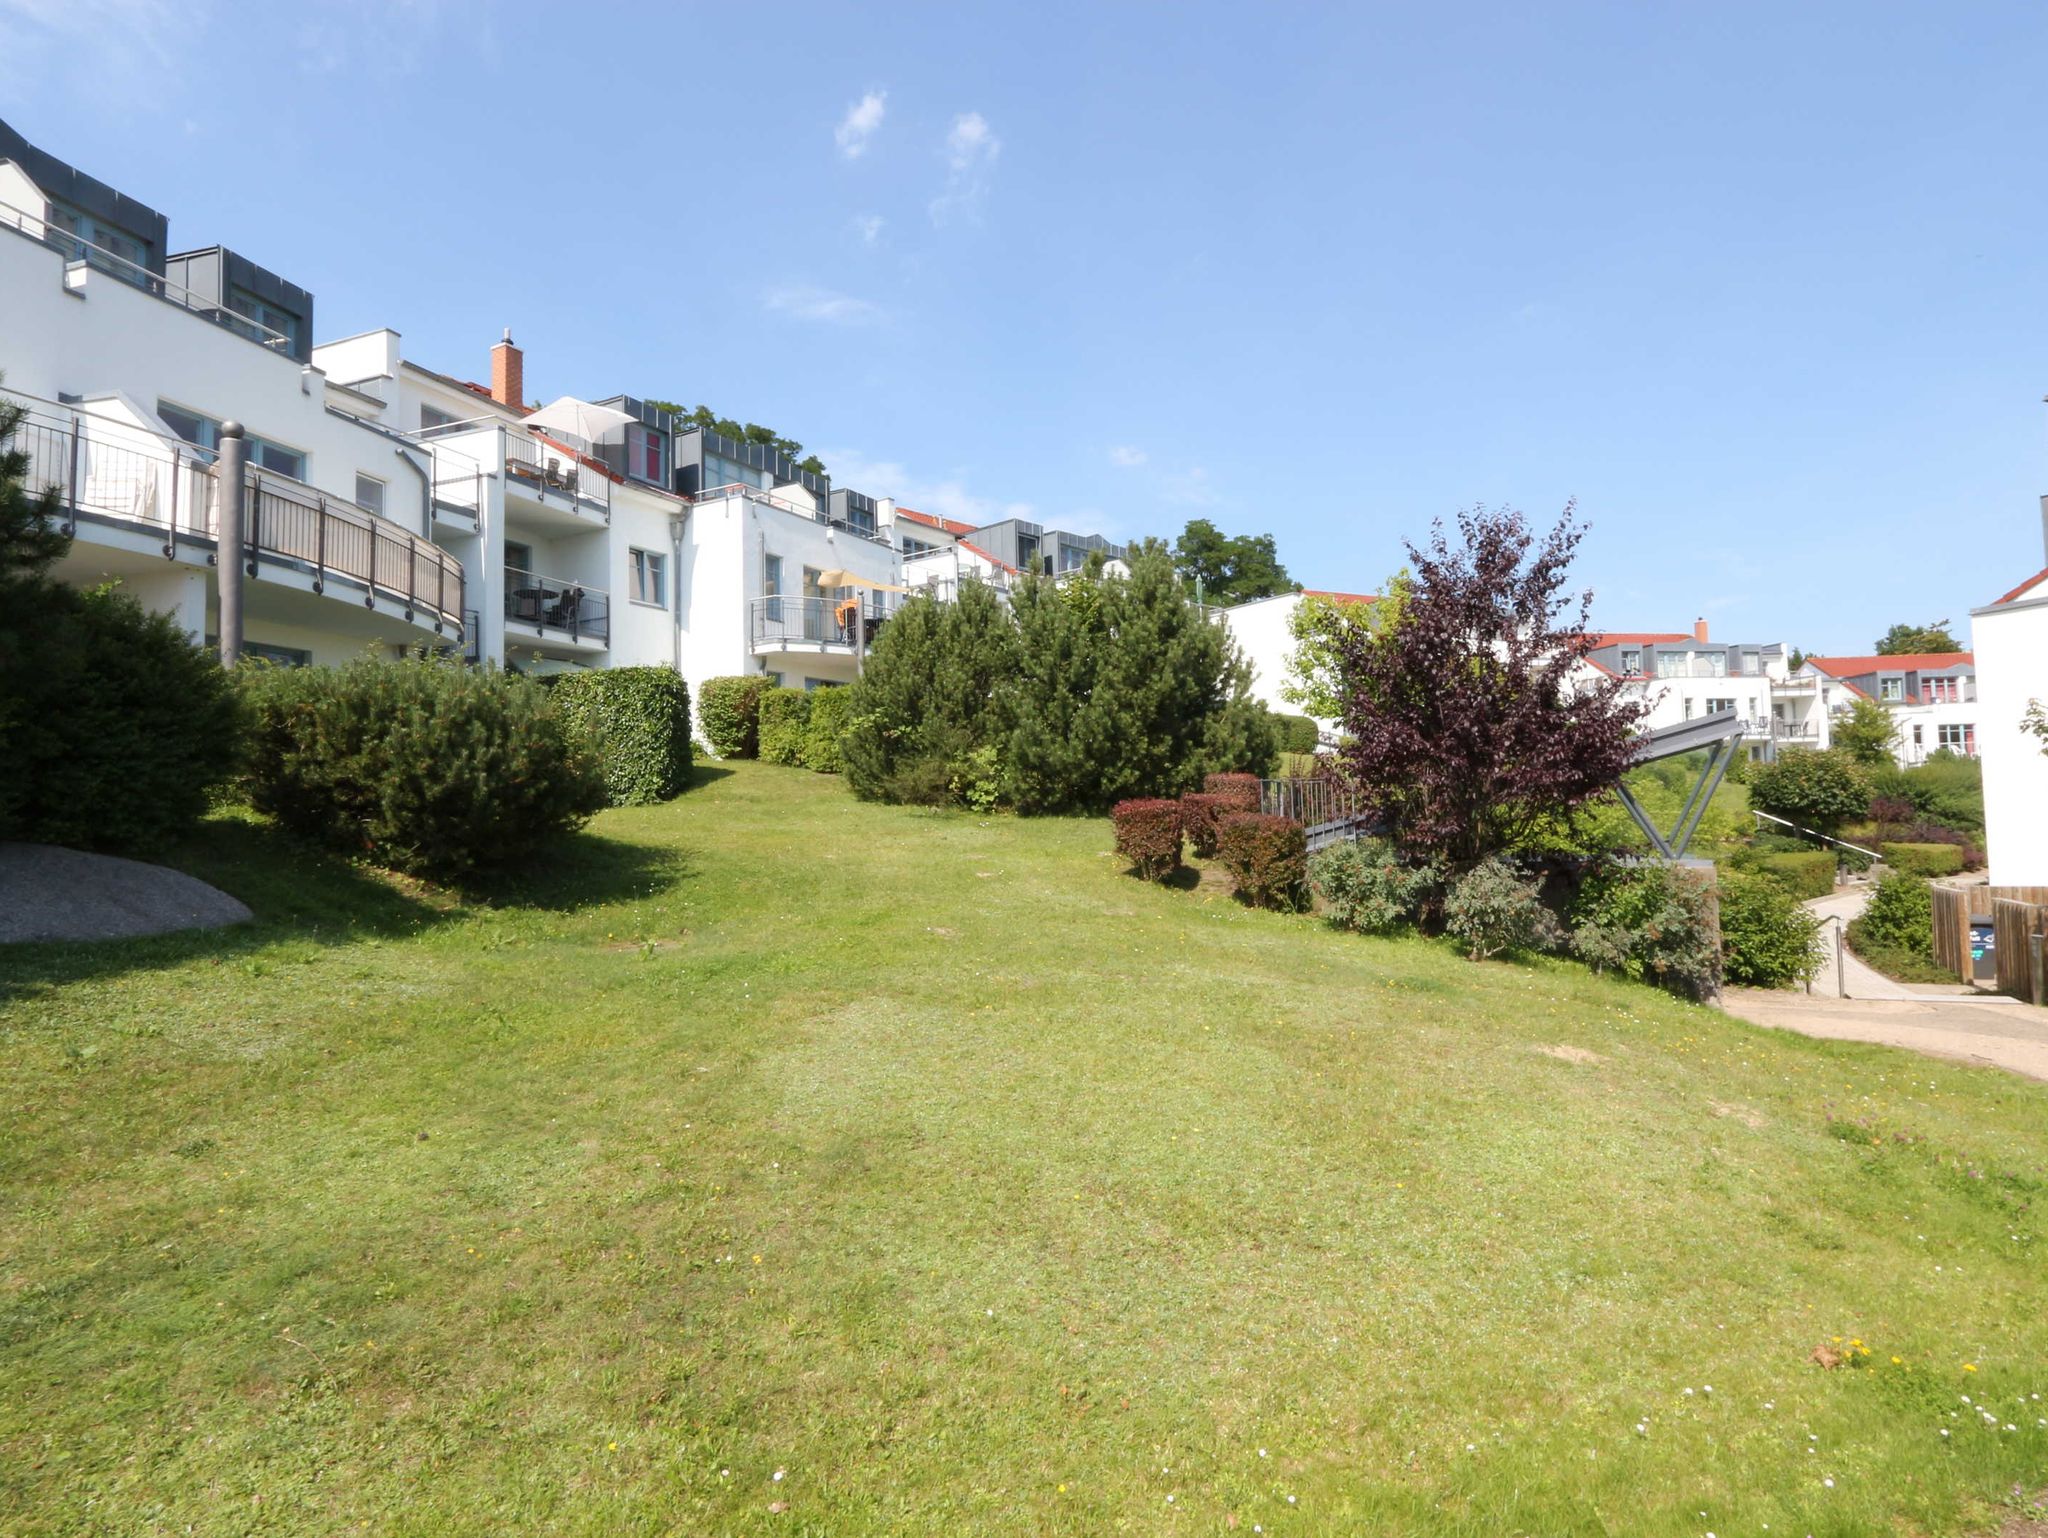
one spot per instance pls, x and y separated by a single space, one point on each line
1491 909
730 710
831 711
1148 834
1767 939
637 722
785 719
424 766
1267 857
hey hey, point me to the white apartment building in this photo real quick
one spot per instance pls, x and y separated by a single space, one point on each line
1263 630
1931 696
2009 637
1685 675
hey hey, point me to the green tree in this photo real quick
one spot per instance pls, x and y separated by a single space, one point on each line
1902 640
1321 627
1818 790
742 432
2035 722
1865 733
1231 568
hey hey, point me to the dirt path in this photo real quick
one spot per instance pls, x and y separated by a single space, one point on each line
1942 1019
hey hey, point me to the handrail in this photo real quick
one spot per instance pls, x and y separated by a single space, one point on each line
1811 833
557 603
741 489
63 242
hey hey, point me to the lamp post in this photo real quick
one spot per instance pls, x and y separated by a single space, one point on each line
232 475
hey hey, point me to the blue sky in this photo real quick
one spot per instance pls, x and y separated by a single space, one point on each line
1761 286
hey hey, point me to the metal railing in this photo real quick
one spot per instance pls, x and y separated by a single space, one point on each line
119 473
794 509
545 468
42 230
1312 802
816 623
559 604
1786 731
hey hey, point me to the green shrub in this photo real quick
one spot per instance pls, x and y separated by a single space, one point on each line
424 766
1808 873
1923 859
637 722
1368 887
1267 857
1899 916
1299 766
1818 790
1491 909
116 726
1298 734
1767 939
1653 923
1148 835
730 710
824 733
785 717
976 779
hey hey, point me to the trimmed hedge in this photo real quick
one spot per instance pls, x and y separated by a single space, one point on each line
831 713
1923 859
637 722
1298 734
785 717
1241 790
730 709
1199 812
1809 873
1266 856
1148 835
422 765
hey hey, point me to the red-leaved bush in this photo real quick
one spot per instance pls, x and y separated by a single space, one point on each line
1241 790
1267 857
1199 811
1148 835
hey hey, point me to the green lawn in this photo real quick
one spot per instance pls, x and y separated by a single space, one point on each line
974 1187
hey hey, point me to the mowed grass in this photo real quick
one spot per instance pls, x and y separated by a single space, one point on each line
968 1185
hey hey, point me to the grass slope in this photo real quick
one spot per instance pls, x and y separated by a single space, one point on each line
971 1186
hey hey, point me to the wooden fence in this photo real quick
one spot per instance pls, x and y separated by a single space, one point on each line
2016 914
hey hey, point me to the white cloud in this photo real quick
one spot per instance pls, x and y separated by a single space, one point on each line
806 301
945 497
869 228
971 151
859 124
1125 457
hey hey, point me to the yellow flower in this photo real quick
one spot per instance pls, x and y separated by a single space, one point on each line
1063 1489
1898 1361
757 1260
611 1447
1969 1367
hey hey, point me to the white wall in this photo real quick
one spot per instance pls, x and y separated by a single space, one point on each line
1260 630
2011 645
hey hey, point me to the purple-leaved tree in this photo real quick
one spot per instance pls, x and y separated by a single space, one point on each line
1473 722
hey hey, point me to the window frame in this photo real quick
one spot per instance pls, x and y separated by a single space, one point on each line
644 569
377 510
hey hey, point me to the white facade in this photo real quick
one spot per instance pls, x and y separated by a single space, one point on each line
1931 697
2010 642
1261 627
1682 676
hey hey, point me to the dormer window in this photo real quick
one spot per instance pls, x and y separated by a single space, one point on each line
1632 663
647 455
1891 690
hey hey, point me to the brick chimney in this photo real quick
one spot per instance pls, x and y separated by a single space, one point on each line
508 374
1699 631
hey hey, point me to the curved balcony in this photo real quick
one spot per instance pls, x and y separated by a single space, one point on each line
122 478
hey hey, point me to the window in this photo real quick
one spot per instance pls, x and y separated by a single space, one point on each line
1957 738
1632 663
650 578
913 546
202 431
283 656
518 562
127 258
1714 705
647 455
719 471
433 419
1672 665
1943 691
370 494
1891 689
1918 739
268 316
771 587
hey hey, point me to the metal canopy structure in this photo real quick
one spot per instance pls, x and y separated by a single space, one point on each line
1718 735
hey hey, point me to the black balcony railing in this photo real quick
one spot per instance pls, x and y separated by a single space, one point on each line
115 473
807 624
556 606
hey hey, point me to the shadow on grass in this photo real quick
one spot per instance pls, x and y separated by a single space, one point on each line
298 891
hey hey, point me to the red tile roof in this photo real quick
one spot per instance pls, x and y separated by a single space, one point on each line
949 525
2032 582
992 560
1313 592
1904 662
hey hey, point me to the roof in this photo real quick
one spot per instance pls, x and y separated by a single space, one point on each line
992 560
1313 592
469 386
1641 637
2032 582
1903 662
949 525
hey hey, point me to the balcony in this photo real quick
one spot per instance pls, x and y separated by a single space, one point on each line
553 486
794 509
556 610
829 626
542 469
1794 731
121 477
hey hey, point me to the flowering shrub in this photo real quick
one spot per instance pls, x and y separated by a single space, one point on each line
1491 909
1199 811
1267 857
1654 923
1148 835
1767 939
1369 888
1242 790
